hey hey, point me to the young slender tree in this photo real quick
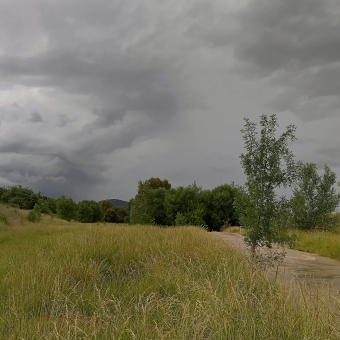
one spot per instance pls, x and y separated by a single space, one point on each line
268 165
314 198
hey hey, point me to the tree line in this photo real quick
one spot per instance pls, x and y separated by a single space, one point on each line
86 211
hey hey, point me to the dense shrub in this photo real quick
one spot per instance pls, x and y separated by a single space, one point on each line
88 212
22 197
34 215
180 220
194 206
111 213
66 208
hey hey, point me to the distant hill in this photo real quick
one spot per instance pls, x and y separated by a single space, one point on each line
119 203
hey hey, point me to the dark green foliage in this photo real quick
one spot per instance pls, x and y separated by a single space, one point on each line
141 203
188 201
66 208
140 208
314 198
180 220
23 198
156 183
34 215
97 211
84 213
156 203
88 212
128 211
220 207
111 213
49 204
157 206
146 219
211 208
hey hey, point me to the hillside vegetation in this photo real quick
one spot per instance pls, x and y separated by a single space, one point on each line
62 280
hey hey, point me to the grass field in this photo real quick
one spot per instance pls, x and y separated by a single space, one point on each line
64 280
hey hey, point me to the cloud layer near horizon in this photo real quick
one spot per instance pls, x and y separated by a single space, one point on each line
98 95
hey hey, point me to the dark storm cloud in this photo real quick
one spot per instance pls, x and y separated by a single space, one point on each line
35 117
23 145
293 34
64 120
10 113
296 44
93 52
125 84
107 117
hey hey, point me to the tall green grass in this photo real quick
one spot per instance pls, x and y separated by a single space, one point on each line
319 242
74 281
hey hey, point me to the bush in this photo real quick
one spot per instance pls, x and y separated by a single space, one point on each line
24 198
146 220
111 213
180 220
34 215
84 213
66 208
43 206
88 212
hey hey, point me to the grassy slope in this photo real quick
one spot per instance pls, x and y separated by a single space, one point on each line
64 280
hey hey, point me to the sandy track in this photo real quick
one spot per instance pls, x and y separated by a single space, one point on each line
308 267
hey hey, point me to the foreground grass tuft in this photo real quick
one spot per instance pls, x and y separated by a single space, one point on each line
76 281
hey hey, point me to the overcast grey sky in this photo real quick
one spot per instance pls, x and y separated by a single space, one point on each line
96 95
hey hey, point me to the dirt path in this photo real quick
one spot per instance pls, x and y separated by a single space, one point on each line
311 268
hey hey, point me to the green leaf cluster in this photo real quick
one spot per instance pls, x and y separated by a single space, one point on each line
66 208
183 205
19 196
111 213
34 215
25 198
88 211
314 199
